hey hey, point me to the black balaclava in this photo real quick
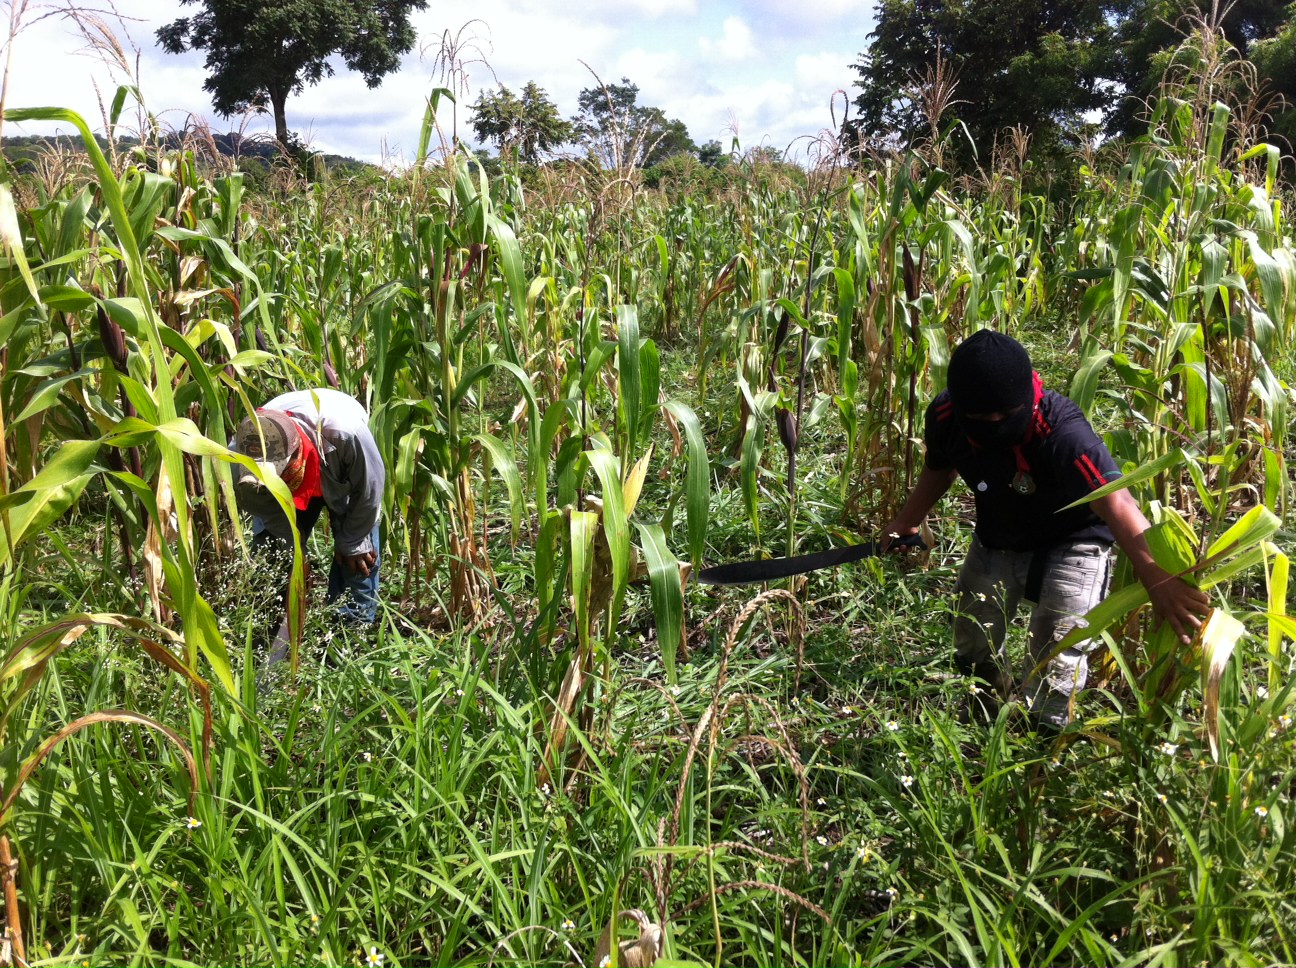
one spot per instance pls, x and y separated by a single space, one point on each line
991 373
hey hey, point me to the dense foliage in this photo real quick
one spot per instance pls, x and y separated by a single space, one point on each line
581 387
1064 72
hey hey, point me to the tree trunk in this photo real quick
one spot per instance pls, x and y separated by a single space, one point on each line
278 98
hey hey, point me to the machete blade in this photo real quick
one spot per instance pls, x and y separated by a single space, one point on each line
772 569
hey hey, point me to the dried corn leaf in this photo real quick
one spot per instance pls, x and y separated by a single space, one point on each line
153 539
1217 639
632 487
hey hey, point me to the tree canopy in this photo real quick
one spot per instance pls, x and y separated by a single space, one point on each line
618 132
1036 63
1057 69
528 124
261 51
1149 32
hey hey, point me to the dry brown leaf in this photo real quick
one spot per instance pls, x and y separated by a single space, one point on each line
641 952
1217 638
152 551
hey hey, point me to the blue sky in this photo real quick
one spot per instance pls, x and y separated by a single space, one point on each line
765 70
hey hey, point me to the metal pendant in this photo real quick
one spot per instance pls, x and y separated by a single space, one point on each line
1023 483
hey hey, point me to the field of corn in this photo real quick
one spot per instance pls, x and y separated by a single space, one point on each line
582 389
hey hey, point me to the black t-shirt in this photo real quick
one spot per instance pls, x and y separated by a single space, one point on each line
1064 460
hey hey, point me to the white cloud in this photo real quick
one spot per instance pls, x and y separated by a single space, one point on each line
766 65
811 15
651 9
735 43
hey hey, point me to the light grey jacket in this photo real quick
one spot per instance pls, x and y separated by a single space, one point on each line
351 471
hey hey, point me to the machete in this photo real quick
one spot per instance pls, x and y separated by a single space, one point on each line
771 569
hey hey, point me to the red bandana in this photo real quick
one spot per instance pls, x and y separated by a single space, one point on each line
302 475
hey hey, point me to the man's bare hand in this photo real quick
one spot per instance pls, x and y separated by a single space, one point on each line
893 531
1175 601
360 564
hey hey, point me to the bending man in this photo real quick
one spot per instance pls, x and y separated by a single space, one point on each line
318 442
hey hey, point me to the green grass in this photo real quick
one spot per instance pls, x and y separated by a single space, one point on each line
391 801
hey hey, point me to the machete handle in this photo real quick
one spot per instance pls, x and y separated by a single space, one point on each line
908 541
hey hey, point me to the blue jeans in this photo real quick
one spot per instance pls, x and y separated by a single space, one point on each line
356 594
992 584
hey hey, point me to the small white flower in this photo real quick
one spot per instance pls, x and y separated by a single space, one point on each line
973 688
1284 721
821 802
822 840
1169 749
847 711
605 961
1262 811
544 789
893 725
193 823
906 780
375 958
864 854
892 892
367 756
569 925
458 692
1162 798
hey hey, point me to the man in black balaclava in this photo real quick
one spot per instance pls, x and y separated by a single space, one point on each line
1026 453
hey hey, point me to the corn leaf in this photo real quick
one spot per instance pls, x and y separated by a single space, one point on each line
629 381
506 467
666 592
583 527
1278 583
1256 526
52 491
11 236
616 528
1143 473
697 480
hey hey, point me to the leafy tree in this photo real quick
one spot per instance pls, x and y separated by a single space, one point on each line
713 155
529 124
261 51
1150 32
1275 60
618 132
1035 63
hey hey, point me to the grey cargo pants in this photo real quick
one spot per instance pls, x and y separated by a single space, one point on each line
991 585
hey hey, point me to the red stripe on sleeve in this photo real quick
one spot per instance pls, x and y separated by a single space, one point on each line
1094 479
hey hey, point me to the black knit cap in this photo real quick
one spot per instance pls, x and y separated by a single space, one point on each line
990 373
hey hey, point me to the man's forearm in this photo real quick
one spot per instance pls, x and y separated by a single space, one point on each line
929 488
